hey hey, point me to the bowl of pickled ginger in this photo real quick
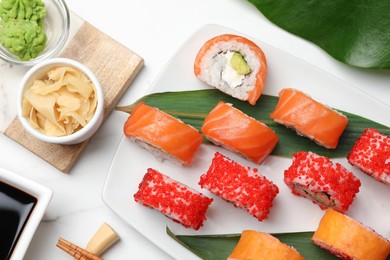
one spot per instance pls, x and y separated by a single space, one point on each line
60 101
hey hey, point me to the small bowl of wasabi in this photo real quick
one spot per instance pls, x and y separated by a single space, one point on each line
27 38
60 101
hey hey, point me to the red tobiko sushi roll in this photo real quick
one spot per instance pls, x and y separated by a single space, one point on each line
240 185
371 153
176 200
327 184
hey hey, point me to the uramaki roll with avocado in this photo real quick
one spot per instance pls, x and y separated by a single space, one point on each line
349 239
234 65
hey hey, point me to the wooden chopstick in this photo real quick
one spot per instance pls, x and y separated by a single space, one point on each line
75 251
75 254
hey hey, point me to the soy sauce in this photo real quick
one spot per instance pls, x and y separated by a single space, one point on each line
15 209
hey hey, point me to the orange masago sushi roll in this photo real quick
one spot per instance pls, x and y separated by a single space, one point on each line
236 131
349 239
255 245
165 136
234 65
309 118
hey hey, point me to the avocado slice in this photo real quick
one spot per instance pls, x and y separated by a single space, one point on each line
239 64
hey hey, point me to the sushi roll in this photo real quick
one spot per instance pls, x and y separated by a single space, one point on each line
317 178
240 185
348 239
238 132
234 65
175 200
165 136
260 245
371 153
309 118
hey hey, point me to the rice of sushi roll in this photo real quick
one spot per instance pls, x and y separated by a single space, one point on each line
242 186
174 199
163 135
327 184
371 153
349 239
234 65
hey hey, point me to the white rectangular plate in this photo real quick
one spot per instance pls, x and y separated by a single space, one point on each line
289 213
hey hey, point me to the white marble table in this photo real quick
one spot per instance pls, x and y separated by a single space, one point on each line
77 209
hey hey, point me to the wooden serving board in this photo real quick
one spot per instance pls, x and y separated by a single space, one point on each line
115 67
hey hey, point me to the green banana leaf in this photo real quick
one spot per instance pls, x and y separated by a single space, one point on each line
355 32
219 247
193 106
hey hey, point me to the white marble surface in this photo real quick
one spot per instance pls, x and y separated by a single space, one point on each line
154 30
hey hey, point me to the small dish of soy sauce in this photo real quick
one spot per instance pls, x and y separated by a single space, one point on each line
22 206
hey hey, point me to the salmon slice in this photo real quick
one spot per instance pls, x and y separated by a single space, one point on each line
238 132
255 245
164 135
349 239
309 118
208 69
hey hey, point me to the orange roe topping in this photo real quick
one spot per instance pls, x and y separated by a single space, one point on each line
175 200
237 184
318 176
371 153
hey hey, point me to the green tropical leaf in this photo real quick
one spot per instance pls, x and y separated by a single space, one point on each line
219 247
355 32
193 106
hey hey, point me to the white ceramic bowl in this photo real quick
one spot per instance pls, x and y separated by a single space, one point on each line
57 26
38 72
42 195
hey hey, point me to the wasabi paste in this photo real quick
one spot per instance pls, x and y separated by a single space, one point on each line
22 27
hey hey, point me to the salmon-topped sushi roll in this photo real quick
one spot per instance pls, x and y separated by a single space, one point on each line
162 134
349 239
234 65
327 184
371 153
259 245
309 118
238 132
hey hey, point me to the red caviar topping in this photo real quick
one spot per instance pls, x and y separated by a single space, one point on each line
371 153
316 177
175 200
240 185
